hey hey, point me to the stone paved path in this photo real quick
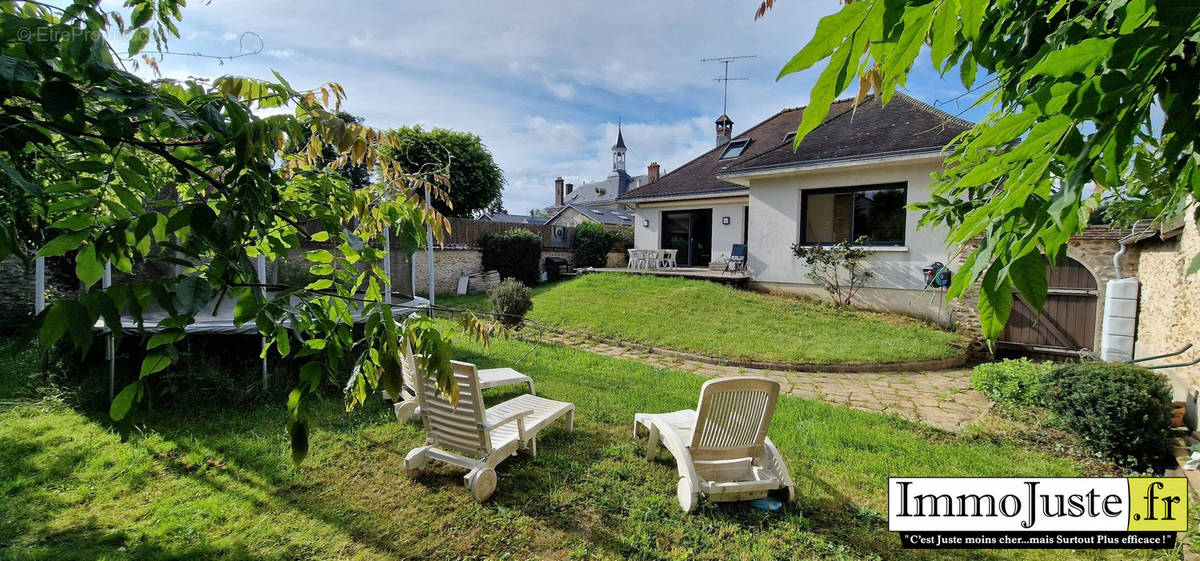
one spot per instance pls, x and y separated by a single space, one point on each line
943 399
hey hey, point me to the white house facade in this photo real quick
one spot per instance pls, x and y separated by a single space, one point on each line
851 177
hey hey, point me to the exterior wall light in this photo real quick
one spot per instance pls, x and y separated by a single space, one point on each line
646 223
725 220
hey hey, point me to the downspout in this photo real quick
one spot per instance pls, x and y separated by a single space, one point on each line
1124 243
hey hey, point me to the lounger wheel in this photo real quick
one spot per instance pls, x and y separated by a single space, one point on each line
413 463
688 499
406 410
482 483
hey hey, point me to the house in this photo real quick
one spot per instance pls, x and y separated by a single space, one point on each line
513 218
852 176
596 201
855 176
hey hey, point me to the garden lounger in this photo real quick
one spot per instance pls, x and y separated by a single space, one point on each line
406 407
721 448
476 437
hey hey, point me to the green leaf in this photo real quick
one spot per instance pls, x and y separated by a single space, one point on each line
142 14
321 236
917 21
943 33
319 284
972 18
193 294
138 41
1081 58
54 325
319 256
995 303
75 222
156 361
1028 274
283 340
62 244
88 267
1195 265
831 31
124 400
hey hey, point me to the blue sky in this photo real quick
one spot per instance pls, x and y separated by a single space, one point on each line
542 82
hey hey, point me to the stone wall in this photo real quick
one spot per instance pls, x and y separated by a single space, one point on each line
1169 306
450 264
1094 250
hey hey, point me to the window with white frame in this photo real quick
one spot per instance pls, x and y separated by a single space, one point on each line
876 212
734 149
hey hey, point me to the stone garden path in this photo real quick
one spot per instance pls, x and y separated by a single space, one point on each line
943 399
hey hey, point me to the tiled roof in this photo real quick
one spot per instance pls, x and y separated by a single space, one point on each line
904 125
870 129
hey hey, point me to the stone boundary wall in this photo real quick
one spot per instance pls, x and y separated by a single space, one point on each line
1094 254
451 263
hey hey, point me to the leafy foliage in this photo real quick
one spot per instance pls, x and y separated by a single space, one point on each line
112 169
476 181
1122 411
1084 92
826 263
1012 380
592 243
511 300
516 253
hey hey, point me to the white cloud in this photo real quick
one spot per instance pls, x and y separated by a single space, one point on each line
541 82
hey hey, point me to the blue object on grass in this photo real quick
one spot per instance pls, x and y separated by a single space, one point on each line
766 503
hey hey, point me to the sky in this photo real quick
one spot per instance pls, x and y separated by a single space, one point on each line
542 82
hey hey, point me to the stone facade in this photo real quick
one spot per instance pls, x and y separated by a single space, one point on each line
1169 305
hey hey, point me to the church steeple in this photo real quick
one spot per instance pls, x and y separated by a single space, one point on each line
618 150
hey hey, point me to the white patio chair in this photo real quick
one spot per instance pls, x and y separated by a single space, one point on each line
721 449
472 436
406 406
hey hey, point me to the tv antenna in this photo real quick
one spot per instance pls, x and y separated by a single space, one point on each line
725 79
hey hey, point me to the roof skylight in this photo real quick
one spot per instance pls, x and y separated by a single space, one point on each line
734 149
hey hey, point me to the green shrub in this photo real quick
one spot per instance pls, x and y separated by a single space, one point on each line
511 300
516 253
1014 381
1122 411
592 243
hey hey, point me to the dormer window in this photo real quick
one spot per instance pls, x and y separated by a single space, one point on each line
789 137
734 149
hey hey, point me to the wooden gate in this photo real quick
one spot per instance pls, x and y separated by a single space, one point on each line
1068 321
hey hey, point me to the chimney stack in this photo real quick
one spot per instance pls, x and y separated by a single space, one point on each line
558 192
570 186
724 129
652 172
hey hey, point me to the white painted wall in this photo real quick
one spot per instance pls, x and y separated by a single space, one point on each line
724 236
775 225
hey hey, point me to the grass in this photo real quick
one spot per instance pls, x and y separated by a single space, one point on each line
201 479
715 320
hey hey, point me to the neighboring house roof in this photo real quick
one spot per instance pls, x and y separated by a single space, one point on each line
608 214
849 132
514 218
604 191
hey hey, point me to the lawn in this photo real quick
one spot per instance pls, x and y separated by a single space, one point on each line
715 320
201 479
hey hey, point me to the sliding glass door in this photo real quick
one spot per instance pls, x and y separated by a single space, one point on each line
690 232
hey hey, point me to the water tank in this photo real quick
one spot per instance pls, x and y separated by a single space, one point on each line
1120 320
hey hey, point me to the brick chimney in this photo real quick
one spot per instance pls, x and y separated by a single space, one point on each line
652 172
558 192
724 129
570 186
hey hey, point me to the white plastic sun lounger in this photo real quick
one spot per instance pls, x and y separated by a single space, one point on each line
476 437
406 407
722 449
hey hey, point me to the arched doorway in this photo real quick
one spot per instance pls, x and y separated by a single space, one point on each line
1066 325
